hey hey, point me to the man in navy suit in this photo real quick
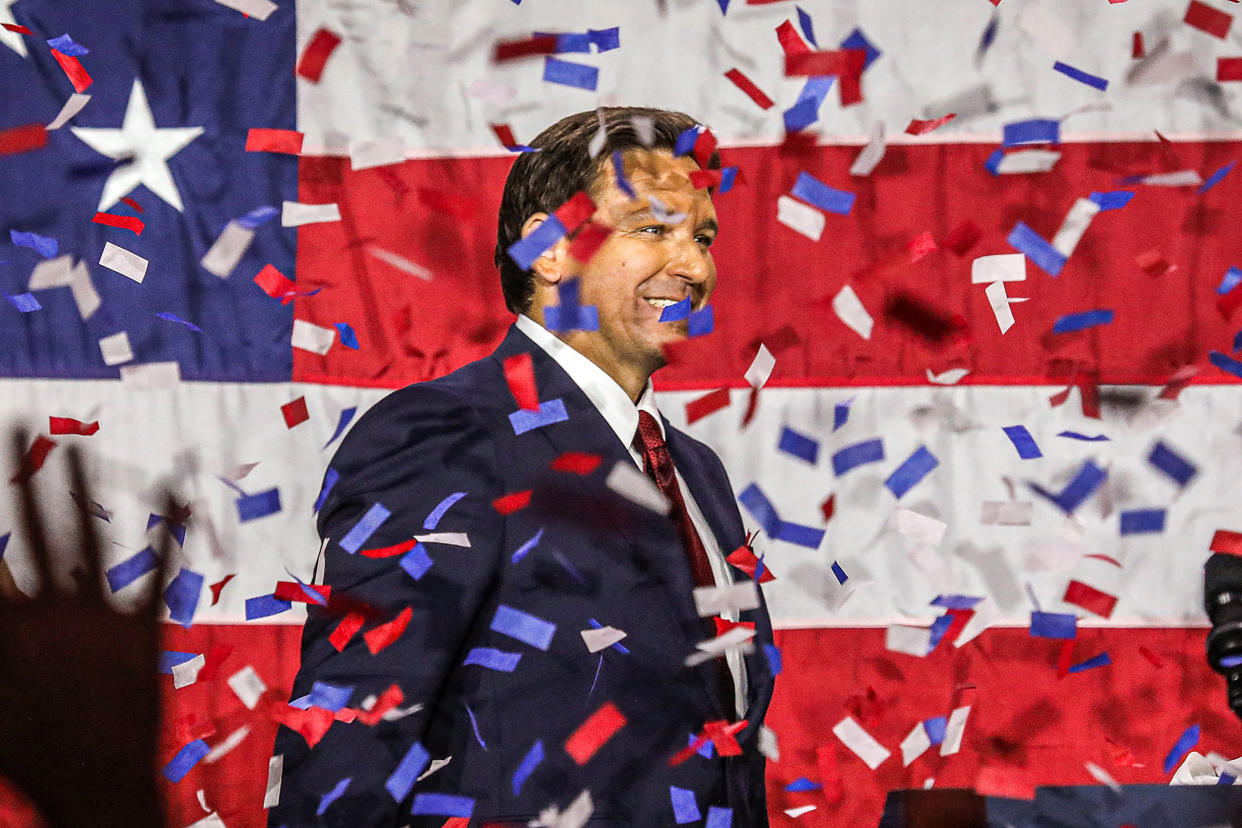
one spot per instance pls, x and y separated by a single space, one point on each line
532 618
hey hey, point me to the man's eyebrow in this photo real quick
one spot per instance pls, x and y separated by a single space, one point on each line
709 224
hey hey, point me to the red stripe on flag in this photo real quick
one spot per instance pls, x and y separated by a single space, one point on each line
748 86
274 140
316 54
74 70
132 223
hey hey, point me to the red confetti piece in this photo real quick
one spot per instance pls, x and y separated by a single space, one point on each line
312 723
703 179
321 46
963 237
216 656
1156 661
748 86
1180 379
68 425
293 591
121 222
828 507
1065 660
839 62
388 700
129 201
1229 303
456 822
294 412
917 127
704 146
1207 19
589 240
591 735
752 407
192 726
574 212
14 27
745 559
274 140
73 70
576 462
34 459
1226 542
389 551
1154 263
1137 49
23 139
514 49
1013 783
723 625
709 403
459 207
791 42
1105 558
1229 69
1121 755
275 284
520 377
1090 598
350 624
961 617
505 135
385 634
218 587
722 735
510 503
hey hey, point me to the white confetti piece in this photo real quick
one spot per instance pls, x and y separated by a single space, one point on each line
902 638
760 368
231 741
849 309
953 731
1102 776
1022 162
601 639
1005 267
865 747
918 527
871 154
1007 513
768 744
798 216
150 376
295 214
275 771
186 673
381 152
247 685
626 480
83 289
212 820
794 813
123 262
1162 66
644 128
71 108
435 765
1075 224
311 337
999 302
258 9
497 94
950 377
115 349
710 600
448 538
227 250
51 273
915 744
1181 178
732 639
986 614
400 263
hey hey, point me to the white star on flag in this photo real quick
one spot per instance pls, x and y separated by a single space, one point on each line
144 147
11 39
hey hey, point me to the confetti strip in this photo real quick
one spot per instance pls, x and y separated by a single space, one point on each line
864 746
260 10
745 84
122 261
315 56
593 733
1081 76
286 141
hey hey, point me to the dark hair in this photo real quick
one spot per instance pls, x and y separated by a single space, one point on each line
540 182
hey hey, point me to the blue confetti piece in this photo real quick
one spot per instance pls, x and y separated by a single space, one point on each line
813 191
171 658
570 314
493 659
365 528
130 569
24 302
524 550
67 46
1093 81
1226 779
1102 660
718 817
437 514
1112 200
676 312
263 606
524 627
1089 478
958 602
416 562
1037 249
348 338
805 110
841 414
1172 464
330 696
4 543
333 795
760 508
1232 278
685 808
801 785
258 217
43 245
550 411
618 646
1215 178
527 766
857 40
329 480
618 169
178 531
347 416
914 469
411 767
775 663
525 250
851 457
1142 521
938 628
565 73
568 41
441 804
796 533
727 176
261 504
994 161
1034 131
181 596
1081 321
474 724
1023 442
839 572
799 445
936 729
186 758
1225 363
808 29
172 317
605 40
1086 438
724 6
989 35
1185 742
1053 625
685 141
702 322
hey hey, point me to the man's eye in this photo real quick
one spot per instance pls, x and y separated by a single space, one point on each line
705 240
654 229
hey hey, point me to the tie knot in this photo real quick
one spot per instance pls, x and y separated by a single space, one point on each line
649 436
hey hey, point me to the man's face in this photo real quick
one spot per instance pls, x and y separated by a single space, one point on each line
654 258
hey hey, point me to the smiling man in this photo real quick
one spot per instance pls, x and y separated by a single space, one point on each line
542 600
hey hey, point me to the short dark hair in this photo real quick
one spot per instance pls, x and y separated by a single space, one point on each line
540 182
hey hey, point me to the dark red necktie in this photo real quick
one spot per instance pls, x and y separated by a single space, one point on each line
658 465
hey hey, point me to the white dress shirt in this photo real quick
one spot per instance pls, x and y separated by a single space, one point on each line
621 414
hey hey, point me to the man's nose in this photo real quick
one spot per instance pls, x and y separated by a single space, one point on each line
690 261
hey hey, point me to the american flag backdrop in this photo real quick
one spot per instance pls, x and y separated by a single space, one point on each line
975 331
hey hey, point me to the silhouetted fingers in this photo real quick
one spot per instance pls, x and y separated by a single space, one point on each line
31 519
88 536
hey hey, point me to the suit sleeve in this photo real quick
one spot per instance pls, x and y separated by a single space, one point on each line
409 453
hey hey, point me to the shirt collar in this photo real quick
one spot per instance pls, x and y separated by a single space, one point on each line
609 398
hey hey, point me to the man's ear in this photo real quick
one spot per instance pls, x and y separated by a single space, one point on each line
553 264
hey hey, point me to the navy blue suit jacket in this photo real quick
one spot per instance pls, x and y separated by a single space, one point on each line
597 559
